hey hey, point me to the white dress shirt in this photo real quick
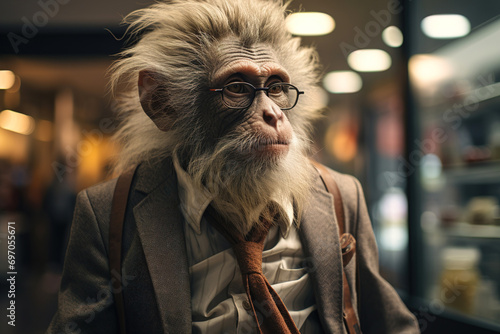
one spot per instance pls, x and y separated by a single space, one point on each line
218 299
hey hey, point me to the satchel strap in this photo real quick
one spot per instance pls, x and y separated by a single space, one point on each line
350 318
118 208
332 188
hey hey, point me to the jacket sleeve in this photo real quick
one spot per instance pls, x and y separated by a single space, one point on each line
381 310
85 302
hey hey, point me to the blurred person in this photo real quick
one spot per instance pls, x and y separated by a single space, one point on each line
59 203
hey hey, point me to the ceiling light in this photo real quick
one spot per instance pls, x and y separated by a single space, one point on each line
7 79
339 82
445 26
392 36
310 24
369 60
17 122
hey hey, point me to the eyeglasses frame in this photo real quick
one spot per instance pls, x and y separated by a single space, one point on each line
255 90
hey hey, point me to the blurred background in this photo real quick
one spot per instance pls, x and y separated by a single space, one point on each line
412 108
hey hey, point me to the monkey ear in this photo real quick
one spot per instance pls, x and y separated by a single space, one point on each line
154 101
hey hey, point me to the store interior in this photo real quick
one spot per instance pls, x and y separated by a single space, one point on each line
411 95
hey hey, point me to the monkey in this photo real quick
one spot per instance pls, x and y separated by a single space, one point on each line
217 103
212 141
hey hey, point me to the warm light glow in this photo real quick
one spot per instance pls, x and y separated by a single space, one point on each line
7 79
65 129
369 60
428 70
14 147
310 24
392 36
339 82
17 122
44 131
445 26
341 141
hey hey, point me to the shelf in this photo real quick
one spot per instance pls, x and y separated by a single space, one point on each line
464 230
483 100
484 172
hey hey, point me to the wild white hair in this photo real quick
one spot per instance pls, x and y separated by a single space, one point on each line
177 41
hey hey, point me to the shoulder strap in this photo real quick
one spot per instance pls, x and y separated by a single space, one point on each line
332 188
348 244
118 208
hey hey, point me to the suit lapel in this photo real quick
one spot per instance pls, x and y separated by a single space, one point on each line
320 238
160 227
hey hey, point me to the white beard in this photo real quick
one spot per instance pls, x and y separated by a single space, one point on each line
244 185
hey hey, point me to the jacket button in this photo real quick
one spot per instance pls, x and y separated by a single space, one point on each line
246 305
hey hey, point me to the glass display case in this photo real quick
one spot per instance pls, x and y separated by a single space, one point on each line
453 163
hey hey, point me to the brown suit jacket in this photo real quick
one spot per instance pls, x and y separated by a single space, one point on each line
155 273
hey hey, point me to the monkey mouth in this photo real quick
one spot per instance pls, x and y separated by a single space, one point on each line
273 147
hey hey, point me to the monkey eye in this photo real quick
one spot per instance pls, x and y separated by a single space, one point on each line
275 89
238 88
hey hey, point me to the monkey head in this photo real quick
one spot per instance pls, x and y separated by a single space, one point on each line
216 83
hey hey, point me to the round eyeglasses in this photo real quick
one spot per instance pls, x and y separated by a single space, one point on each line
240 95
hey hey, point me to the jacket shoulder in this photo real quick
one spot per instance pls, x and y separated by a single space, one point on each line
99 197
102 190
349 186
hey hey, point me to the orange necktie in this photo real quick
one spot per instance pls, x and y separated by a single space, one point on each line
268 309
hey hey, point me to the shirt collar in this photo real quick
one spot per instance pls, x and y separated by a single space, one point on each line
194 201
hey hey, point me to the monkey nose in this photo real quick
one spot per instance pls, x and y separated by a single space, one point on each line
271 113
271 118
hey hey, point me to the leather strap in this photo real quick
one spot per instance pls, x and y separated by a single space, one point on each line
348 245
333 189
117 217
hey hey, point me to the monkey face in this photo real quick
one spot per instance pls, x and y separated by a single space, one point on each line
264 125
258 135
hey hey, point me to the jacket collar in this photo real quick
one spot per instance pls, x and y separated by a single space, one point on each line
160 228
153 173
320 238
